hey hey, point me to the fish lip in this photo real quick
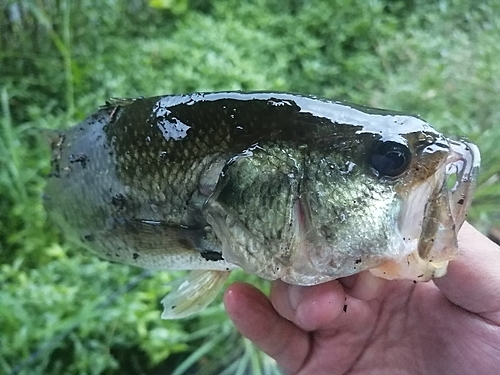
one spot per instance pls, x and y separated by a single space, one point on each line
463 165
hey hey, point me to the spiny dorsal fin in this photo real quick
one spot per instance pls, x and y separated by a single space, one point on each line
118 102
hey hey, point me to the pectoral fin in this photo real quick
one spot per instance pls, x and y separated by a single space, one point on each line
192 293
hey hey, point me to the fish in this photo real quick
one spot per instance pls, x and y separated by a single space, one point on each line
284 186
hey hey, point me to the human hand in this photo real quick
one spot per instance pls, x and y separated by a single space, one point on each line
365 325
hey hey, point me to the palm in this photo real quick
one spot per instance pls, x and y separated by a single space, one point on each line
365 325
406 329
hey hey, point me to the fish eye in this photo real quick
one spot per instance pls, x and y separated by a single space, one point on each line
390 158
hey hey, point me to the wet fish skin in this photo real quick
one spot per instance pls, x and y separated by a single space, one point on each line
281 185
125 175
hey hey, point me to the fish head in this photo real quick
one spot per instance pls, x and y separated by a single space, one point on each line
411 188
433 178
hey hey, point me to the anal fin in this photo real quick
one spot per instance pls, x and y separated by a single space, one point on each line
192 293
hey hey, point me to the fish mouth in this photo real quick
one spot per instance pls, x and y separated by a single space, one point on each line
461 170
447 208
429 231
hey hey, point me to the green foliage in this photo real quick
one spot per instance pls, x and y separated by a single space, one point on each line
175 6
64 312
22 166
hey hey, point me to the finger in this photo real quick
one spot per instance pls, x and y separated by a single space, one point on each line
309 307
255 317
365 286
473 278
324 306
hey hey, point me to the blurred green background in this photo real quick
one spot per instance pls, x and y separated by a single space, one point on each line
63 311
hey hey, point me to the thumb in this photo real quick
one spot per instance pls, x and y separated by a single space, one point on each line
473 278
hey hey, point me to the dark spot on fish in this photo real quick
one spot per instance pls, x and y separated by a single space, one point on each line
135 256
227 268
461 201
173 307
414 281
344 308
89 237
118 200
211 255
79 158
422 275
357 261
117 255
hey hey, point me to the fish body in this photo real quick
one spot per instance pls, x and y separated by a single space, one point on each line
284 186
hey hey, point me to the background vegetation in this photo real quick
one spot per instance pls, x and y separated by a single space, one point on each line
64 312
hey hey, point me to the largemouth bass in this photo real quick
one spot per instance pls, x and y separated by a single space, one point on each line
284 186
